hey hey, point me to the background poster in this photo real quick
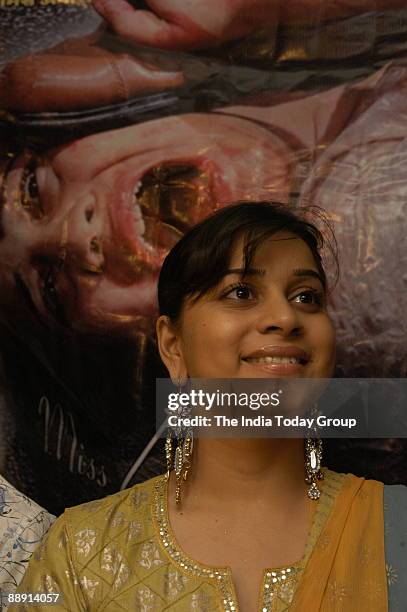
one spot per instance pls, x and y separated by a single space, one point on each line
123 124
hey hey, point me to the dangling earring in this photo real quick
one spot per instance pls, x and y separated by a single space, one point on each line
183 451
313 460
182 461
168 453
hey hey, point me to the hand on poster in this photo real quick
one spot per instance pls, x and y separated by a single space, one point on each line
186 24
200 24
79 76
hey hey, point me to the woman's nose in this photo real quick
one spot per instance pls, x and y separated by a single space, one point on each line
85 232
277 314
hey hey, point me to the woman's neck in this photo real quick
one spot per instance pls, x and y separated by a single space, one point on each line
226 471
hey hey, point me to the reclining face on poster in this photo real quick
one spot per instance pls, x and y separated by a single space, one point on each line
86 224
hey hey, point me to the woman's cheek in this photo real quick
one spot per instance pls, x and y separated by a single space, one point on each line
331 347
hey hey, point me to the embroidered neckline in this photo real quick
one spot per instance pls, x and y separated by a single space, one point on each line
274 579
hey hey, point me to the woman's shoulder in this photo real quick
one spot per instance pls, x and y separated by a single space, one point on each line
90 552
346 478
129 499
106 514
363 487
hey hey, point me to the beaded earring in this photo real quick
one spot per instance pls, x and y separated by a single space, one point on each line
181 462
313 460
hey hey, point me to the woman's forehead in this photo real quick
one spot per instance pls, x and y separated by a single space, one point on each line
282 245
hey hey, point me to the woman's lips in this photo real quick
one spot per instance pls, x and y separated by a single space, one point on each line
278 360
278 369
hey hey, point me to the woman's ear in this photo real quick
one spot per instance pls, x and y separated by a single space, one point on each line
169 346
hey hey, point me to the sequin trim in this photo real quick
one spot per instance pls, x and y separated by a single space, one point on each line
220 576
278 582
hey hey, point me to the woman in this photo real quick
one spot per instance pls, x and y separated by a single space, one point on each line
242 295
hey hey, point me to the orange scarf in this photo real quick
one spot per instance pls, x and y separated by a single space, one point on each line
346 570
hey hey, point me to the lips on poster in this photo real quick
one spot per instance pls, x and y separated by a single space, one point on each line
122 125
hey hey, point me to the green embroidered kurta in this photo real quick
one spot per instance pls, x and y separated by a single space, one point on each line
119 554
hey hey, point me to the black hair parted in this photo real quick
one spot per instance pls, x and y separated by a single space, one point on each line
198 262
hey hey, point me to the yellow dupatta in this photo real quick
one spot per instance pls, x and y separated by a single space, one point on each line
346 570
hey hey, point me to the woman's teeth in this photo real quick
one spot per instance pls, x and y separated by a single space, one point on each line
140 225
137 212
137 188
274 360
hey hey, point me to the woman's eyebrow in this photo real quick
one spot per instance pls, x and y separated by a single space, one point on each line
301 272
249 271
308 272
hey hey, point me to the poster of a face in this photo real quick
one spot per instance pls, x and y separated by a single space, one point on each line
124 124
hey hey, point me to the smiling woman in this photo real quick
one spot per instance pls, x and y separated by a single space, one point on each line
225 297
241 295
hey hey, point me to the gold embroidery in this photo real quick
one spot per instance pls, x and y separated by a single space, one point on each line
337 592
278 584
50 584
119 519
133 531
70 575
63 541
139 498
201 602
89 586
149 555
392 575
145 600
113 563
84 541
174 583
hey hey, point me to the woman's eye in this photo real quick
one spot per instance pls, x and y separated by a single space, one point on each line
30 194
239 292
309 297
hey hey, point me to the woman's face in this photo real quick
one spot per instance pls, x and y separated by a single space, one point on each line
273 323
84 228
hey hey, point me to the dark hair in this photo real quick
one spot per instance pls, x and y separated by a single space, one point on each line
200 259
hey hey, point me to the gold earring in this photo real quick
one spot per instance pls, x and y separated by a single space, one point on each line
183 452
313 450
